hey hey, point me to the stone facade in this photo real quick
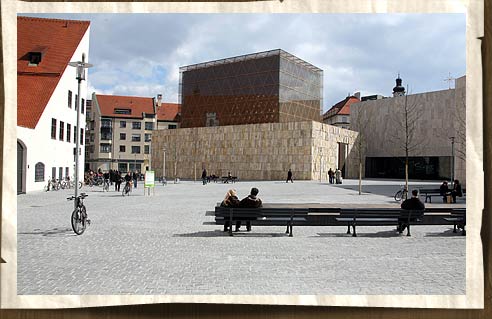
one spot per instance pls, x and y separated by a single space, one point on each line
435 118
251 152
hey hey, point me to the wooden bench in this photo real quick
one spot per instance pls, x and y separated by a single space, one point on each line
281 216
458 218
429 193
227 179
402 218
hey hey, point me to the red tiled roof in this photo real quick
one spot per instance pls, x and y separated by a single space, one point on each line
342 107
168 112
35 84
138 105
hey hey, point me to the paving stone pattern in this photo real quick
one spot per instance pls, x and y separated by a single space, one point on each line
159 245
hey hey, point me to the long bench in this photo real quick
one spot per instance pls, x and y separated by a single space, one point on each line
303 215
431 192
401 218
261 216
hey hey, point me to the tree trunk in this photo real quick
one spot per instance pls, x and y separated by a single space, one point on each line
360 178
406 177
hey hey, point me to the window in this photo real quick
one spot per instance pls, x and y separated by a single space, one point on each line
135 149
146 149
62 128
69 132
60 173
171 126
91 149
74 134
82 107
66 172
81 136
122 136
106 123
76 101
135 137
105 148
92 137
149 126
39 172
122 111
53 129
53 173
122 124
69 99
148 137
344 119
136 125
122 148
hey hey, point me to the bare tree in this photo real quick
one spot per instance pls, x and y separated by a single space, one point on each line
361 120
406 117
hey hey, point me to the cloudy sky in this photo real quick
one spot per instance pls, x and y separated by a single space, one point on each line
140 54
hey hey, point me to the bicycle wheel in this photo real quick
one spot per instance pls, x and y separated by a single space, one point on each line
398 195
80 185
78 221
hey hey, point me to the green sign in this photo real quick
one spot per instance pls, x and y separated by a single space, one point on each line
149 179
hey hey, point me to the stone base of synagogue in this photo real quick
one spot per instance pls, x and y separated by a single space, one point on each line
253 151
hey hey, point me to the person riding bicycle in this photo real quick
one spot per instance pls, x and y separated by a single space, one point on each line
128 179
106 179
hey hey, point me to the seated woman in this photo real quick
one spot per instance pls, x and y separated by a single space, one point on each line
230 200
444 191
457 191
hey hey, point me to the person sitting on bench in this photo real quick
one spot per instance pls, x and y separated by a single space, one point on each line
413 203
251 201
444 191
230 200
457 191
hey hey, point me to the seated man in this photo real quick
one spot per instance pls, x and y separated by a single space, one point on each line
413 203
251 201
444 191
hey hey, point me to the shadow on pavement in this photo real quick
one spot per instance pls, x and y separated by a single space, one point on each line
447 233
219 233
387 233
55 232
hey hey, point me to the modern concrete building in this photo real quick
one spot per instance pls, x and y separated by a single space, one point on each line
253 151
265 87
436 131
47 99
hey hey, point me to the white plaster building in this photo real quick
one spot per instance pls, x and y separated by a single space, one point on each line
46 99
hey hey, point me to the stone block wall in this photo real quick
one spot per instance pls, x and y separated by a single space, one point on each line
251 152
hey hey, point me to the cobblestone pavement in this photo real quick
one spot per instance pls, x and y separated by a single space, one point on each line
159 245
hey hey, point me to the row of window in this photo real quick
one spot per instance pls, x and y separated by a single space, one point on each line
76 102
106 148
61 132
136 137
39 169
136 125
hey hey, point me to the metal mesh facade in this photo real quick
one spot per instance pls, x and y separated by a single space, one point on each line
266 87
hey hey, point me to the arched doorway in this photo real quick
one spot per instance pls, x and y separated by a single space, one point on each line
21 167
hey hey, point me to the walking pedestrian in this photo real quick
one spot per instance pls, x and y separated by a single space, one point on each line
331 175
289 176
135 179
204 176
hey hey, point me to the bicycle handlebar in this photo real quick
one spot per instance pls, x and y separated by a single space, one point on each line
82 195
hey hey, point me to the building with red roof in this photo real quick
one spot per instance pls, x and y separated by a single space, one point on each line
47 98
120 131
339 114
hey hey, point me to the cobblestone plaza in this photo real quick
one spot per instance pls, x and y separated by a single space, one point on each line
160 245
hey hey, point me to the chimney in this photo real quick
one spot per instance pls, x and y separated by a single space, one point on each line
357 95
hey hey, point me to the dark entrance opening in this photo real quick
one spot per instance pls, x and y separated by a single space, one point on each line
21 168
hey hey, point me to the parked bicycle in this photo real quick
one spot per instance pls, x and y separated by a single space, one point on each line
401 194
79 214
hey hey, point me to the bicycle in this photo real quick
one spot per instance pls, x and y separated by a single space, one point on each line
79 214
401 194
106 185
50 185
127 189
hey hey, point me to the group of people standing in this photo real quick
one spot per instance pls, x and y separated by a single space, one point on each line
444 190
250 201
115 177
335 176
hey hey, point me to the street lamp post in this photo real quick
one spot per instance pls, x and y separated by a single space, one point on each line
452 160
164 163
80 75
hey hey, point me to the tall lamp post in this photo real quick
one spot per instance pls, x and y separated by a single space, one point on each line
452 160
80 75
164 163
